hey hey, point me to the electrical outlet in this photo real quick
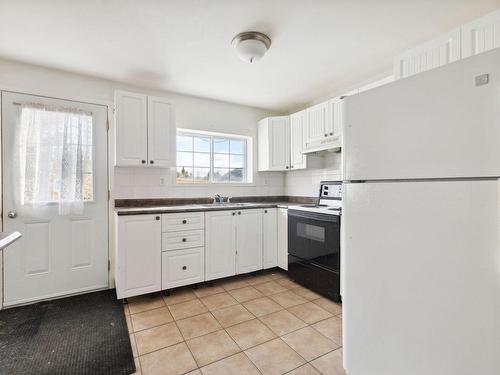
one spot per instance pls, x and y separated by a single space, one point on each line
162 181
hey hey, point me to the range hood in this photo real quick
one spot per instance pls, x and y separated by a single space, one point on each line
329 144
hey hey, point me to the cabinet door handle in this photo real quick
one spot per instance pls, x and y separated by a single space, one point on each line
157 218
184 221
234 213
265 211
286 167
143 161
184 240
331 133
184 267
239 212
151 162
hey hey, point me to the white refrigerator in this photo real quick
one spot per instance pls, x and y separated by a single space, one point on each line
421 258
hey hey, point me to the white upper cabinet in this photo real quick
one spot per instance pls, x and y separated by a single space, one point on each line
316 128
270 238
435 53
144 131
297 128
161 132
274 143
248 241
481 35
131 132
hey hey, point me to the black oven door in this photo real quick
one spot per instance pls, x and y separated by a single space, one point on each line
314 238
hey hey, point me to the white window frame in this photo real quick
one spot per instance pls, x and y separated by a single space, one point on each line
248 161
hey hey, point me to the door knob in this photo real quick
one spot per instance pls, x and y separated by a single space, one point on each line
12 214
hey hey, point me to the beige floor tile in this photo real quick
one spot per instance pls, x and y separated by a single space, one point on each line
306 369
144 303
212 347
208 291
198 325
269 288
305 293
245 294
309 312
150 318
137 367
262 306
340 316
160 362
186 309
126 310
331 328
276 275
195 372
330 364
259 279
234 284
134 345
234 365
330 306
250 333
287 283
309 343
157 338
282 322
274 357
129 324
288 299
178 296
218 301
232 315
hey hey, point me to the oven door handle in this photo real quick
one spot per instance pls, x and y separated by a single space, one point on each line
313 216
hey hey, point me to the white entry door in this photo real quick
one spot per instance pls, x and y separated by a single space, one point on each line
54 164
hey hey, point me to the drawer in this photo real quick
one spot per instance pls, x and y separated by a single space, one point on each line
182 267
182 240
182 221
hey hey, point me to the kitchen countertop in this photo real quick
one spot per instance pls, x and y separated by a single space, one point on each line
122 211
6 238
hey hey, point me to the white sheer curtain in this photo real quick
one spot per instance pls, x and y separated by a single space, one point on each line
54 147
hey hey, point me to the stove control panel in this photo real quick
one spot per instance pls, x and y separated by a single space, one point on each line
331 190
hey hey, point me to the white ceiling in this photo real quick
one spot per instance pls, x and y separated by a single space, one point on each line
318 46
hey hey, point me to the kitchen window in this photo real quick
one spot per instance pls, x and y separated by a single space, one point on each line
204 157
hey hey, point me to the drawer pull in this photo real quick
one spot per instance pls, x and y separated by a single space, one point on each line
157 218
239 212
265 211
184 240
184 267
234 213
184 221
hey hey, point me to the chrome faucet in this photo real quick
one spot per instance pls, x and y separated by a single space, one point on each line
217 198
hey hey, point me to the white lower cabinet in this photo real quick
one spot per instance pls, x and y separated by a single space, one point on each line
282 233
182 267
270 238
248 241
138 260
220 244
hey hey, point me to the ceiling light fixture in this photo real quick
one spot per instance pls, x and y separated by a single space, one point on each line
251 46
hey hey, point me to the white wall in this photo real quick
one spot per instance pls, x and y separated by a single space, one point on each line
191 112
305 182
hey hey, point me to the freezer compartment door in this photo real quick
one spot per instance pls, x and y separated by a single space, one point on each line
435 124
422 278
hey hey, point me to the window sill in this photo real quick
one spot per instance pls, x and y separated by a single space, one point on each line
227 184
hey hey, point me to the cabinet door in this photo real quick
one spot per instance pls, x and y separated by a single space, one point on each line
131 134
316 120
182 267
270 238
437 52
282 220
297 128
481 35
279 143
138 255
220 244
161 132
248 241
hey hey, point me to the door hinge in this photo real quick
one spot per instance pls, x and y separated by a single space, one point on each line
109 195
109 265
